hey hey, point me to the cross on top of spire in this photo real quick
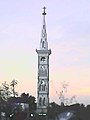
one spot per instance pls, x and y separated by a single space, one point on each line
44 13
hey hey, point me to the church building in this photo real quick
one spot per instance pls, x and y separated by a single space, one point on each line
43 71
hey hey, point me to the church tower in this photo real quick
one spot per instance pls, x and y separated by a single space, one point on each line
43 71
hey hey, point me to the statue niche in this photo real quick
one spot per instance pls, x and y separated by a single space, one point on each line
42 70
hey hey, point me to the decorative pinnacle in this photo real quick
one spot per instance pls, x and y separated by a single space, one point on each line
44 13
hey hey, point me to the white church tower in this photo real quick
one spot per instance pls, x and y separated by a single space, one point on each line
43 71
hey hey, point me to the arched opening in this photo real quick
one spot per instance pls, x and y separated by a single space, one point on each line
39 87
43 87
43 59
40 101
43 44
43 70
44 101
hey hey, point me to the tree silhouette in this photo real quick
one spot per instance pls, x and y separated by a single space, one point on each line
13 84
5 94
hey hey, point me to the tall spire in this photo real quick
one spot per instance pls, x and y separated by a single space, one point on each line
43 71
43 42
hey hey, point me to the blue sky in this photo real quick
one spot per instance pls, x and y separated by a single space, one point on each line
68 29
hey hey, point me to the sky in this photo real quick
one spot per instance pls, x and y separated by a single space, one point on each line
68 29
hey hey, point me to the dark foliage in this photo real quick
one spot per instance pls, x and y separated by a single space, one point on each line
80 111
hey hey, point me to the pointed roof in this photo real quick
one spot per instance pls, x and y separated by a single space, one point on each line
43 43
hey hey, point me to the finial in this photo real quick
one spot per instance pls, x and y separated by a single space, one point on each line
44 13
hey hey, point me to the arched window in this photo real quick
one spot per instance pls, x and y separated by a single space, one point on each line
39 87
43 87
43 70
43 44
43 59
40 101
44 101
